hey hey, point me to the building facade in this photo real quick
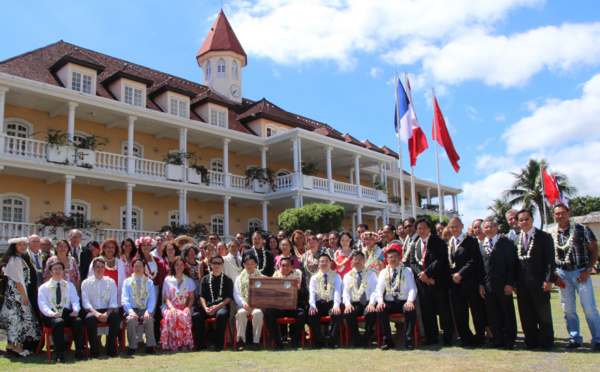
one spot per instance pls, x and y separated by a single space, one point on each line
145 115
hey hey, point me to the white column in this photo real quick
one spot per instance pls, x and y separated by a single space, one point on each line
300 154
227 178
375 219
226 215
182 207
357 178
68 192
296 201
381 170
329 172
454 203
359 214
295 154
3 91
428 195
71 119
183 148
351 175
130 132
128 208
263 157
354 227
265 216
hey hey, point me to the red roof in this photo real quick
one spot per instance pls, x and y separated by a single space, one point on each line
222 38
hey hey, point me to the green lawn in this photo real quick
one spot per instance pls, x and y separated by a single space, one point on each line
441 358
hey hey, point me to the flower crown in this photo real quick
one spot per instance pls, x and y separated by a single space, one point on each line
18 240
369 234
144 239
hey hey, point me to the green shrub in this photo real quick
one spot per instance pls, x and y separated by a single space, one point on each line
317 217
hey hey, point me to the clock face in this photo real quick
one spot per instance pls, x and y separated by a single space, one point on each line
235 90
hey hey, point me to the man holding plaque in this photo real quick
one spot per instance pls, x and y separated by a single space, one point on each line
325 296
287 271
359 299
240 295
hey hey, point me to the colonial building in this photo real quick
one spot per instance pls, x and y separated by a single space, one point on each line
146 115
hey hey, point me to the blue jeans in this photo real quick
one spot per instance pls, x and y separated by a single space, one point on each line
588 303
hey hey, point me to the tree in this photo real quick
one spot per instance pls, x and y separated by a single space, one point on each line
583 205
499 208
527 188
317 217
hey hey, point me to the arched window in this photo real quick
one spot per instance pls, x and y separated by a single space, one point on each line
234 70
270 130
216 165
221 68
138 149
218 224
78 137
80 210
208 70
174 218
18 128
15 207
254 224
137 218
282 172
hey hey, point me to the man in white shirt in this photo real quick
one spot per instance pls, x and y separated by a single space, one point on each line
138 303
359 299
99 299
395 294
324 300
59 303
240 295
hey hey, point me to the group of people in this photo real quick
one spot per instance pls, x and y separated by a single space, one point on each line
182 294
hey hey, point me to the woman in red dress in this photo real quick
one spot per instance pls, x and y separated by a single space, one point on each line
342 261
115 269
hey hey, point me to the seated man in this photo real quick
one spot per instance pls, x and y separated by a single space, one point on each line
359 291
240 295
325 296
99 299
216 292
271 315
59 304
138 300
397 283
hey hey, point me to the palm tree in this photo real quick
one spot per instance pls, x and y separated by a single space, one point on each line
499 208
527 188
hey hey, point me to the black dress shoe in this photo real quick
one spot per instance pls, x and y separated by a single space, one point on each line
95 355
388 346
255 346
150 350
410 346
279 346
597 347
79 355
572 345
130 351
333 346
547 348
531 347
430 342
448 343
60 358
241 346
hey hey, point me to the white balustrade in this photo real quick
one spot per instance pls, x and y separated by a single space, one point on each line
150 168
344 188
284 182
25 148
239 182
111 162
216 178
321 184
9 230
368 193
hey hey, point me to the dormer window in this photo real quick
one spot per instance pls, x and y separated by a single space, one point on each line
271 132
208 70
221 68
81 82
218 118
179 108
234 70
133 96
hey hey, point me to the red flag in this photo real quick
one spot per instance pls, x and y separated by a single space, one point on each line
550 189
439 127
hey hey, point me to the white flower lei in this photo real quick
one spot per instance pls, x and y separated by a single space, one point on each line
566 248
102 297
41 271
151 275
64 289
372 258
238 269
407 244
180 296
116 266
297 252
245 280
264 258
27 271
212 296
310 260
325 291
486 246
295 274
393 291
342 265
450 247
420 262
356 295
140 293
529 248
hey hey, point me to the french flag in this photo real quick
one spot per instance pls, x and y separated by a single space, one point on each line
408 129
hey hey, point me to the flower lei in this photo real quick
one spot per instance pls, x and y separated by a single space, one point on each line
102 297
27 271
295 274
450 246
147 272
372 258
356 295
529 247
238 269
64 289
486 246
212 296
342 265
264 259
566 248
244 281
325 291
140 292
180 295
114 267
420 262
309 262
393 291
407 244
297 252
41 271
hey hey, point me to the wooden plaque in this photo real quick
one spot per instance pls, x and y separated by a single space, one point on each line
273 293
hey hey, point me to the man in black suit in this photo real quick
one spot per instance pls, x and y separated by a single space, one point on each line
499 270
535 274
266 260
83 255
465 267
429 263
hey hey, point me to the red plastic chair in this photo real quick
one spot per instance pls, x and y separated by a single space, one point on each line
228 329
264 333
287 321
397 316
326 319
120 338
47 331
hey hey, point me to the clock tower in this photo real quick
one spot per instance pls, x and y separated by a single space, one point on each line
221 58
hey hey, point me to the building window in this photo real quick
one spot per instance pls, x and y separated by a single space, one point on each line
18 130
138 150
136 218
133 96
80 211
254 224
282 172
218 224
174 218
13 209
216 165
208 70
234 70
271 132
78 137
217 118
81 82
221 68
179 108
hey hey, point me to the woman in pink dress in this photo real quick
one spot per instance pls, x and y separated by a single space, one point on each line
286 251
342 262
178 296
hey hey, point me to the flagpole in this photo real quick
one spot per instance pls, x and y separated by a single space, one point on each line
437 159
399 148
544 222
412 171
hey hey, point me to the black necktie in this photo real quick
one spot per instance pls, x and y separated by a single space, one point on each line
37 261
394 275
58 294
359 281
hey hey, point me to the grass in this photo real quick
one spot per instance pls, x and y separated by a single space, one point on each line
440 358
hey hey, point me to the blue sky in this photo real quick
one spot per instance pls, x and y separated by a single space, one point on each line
514 78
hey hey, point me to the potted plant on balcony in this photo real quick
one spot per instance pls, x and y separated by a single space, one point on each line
58 224
58 149
308 171
261 179
198 174
174 166
381 190
85 150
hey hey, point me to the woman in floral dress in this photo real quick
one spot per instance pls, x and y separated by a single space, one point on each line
178 296
63 254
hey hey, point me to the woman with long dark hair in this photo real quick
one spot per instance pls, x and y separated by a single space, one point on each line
17 316
129 251
114 269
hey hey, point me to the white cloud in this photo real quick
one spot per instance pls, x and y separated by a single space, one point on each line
375 72
478 195
485 143
500 117
558 122
490 163
472 113
580 164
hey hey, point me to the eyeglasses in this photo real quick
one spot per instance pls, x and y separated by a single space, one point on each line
407 226
216 263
